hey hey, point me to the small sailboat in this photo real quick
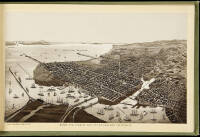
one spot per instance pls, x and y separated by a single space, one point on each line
22 94
100 112
153 119
134 113
15 96
33 85
141 116
117 114
163 116
111 116
127 118
54 94
145 113
10 91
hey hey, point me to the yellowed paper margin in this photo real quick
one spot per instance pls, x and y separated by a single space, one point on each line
132 127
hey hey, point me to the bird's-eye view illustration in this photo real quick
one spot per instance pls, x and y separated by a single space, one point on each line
95 68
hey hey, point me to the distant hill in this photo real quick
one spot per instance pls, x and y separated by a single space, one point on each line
41 42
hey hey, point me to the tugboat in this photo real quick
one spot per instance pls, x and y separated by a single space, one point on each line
134 113
111 116
15 96
33 85
127 118
100 112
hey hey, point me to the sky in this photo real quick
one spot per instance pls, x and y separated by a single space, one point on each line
94 27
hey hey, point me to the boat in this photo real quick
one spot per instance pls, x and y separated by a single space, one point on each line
141 116
76 100
70 90
127 118
22 94
100 112
15 96
33 85
62 92
111 116
164 118
10 91
134 113
40 94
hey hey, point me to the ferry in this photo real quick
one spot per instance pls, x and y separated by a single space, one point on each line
127 118
15 96
134 113
33 85
100 112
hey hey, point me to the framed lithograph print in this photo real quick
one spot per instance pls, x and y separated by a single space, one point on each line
97 68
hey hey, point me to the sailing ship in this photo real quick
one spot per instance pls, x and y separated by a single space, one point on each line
127 118
111 116
100 112
134 113
15 96
33 85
